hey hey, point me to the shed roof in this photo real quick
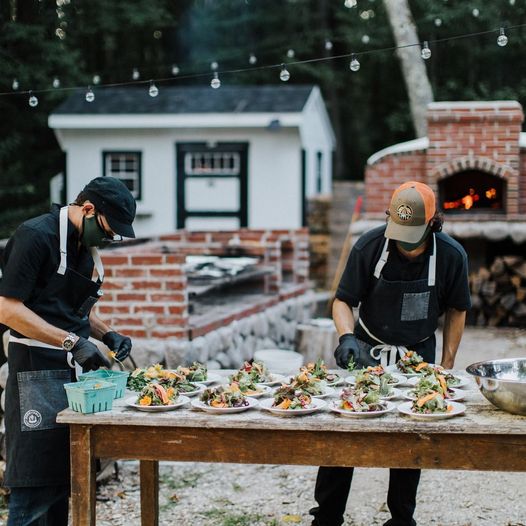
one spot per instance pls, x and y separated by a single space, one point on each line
190 99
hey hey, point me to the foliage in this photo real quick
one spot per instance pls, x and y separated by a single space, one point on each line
75 39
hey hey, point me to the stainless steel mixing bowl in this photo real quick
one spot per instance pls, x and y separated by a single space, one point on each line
502 382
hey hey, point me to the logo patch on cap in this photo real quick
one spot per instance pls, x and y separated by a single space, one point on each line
404 212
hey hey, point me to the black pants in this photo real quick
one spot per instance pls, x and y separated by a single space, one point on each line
332 489
39 506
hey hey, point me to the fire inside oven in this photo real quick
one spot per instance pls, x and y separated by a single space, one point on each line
472 190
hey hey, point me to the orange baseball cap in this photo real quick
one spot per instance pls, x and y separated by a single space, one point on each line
412 207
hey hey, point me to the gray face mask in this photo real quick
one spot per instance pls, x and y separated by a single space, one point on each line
92 233
412 246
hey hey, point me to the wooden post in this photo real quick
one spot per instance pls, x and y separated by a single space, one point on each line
149 492
82 476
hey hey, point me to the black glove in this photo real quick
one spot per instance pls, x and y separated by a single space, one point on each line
88 355
119 344
347 349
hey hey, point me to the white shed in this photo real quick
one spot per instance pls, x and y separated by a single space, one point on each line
199 158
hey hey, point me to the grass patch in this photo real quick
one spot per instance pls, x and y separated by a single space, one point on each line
190 480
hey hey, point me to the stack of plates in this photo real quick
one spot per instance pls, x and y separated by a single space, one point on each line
280 360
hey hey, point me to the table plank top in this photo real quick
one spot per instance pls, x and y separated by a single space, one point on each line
480 417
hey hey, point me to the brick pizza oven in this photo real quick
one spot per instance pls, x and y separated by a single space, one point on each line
474 157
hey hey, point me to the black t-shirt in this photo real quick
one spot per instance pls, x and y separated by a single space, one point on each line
32 257
451 269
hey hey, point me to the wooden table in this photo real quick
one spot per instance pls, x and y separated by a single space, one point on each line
483 439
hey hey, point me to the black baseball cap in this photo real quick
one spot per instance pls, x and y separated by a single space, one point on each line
112 198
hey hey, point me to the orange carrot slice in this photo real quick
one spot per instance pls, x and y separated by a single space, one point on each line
421 401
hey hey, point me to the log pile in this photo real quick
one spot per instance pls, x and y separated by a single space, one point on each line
498 294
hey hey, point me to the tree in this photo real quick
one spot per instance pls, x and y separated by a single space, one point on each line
413 67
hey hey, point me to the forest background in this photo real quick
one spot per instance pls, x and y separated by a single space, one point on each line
74 40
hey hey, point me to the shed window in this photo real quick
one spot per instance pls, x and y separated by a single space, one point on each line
319 172
125 166
212 163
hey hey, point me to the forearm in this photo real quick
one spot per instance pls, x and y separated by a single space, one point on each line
17 316
453 329
97 327
343 317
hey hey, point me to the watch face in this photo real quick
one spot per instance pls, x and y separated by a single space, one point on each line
68 343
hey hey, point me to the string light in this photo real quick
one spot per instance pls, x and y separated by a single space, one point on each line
426 52
175 69
135 74
215 82
438 22
354 64
153 91
328 45
90 96
350 3
366 39
252 59
214 65
475 12
284 75
33 101
291 53
502 39
56 82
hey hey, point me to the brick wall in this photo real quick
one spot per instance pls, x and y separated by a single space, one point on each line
145 289
461 135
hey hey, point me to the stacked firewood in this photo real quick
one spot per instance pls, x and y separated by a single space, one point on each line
498 294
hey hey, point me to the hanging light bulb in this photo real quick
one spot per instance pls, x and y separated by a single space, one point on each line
153 91
33 101
96 79
475 12
284 75
291 53
175 69
15 85
90 96
350 3
502 39
56 82
328 45
366 39
354 64
214 65
426 52
438 22
135 74
252 59
215 82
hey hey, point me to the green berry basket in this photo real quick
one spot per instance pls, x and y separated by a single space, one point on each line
119 378
90 396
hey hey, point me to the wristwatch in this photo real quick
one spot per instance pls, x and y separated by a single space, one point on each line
69 341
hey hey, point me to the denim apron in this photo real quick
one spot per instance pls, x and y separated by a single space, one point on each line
38 447
399 315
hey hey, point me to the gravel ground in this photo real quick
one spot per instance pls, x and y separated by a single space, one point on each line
198 494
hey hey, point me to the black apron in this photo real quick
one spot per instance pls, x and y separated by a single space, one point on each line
399 315
38 447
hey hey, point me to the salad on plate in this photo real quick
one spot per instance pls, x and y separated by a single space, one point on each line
290 398
224 397
412 363
318 369
242 381
258 372
197 372
360 400
154 394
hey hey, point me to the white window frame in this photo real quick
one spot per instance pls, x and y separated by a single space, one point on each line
126 176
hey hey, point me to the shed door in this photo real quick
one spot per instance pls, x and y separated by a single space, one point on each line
212 186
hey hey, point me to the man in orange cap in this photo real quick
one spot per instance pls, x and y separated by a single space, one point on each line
403 276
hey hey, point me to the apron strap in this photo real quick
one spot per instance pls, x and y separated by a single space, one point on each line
432 264
63 240
382 261
98 264
388 354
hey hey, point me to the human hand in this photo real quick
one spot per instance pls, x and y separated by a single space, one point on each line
347 350
119 344
88 355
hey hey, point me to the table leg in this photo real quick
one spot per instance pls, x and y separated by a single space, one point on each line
149 492
82 476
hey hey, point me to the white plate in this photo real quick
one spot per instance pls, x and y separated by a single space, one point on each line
395 393
337 382
456 396
200 388
265 390
274 379
180 402
361 414
462 381
400 379
224 410
212 378
315 405
458 409
327 391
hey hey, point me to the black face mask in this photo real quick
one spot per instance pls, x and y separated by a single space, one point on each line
412 246
92 233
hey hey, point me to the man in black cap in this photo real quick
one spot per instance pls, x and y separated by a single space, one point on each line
52 274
